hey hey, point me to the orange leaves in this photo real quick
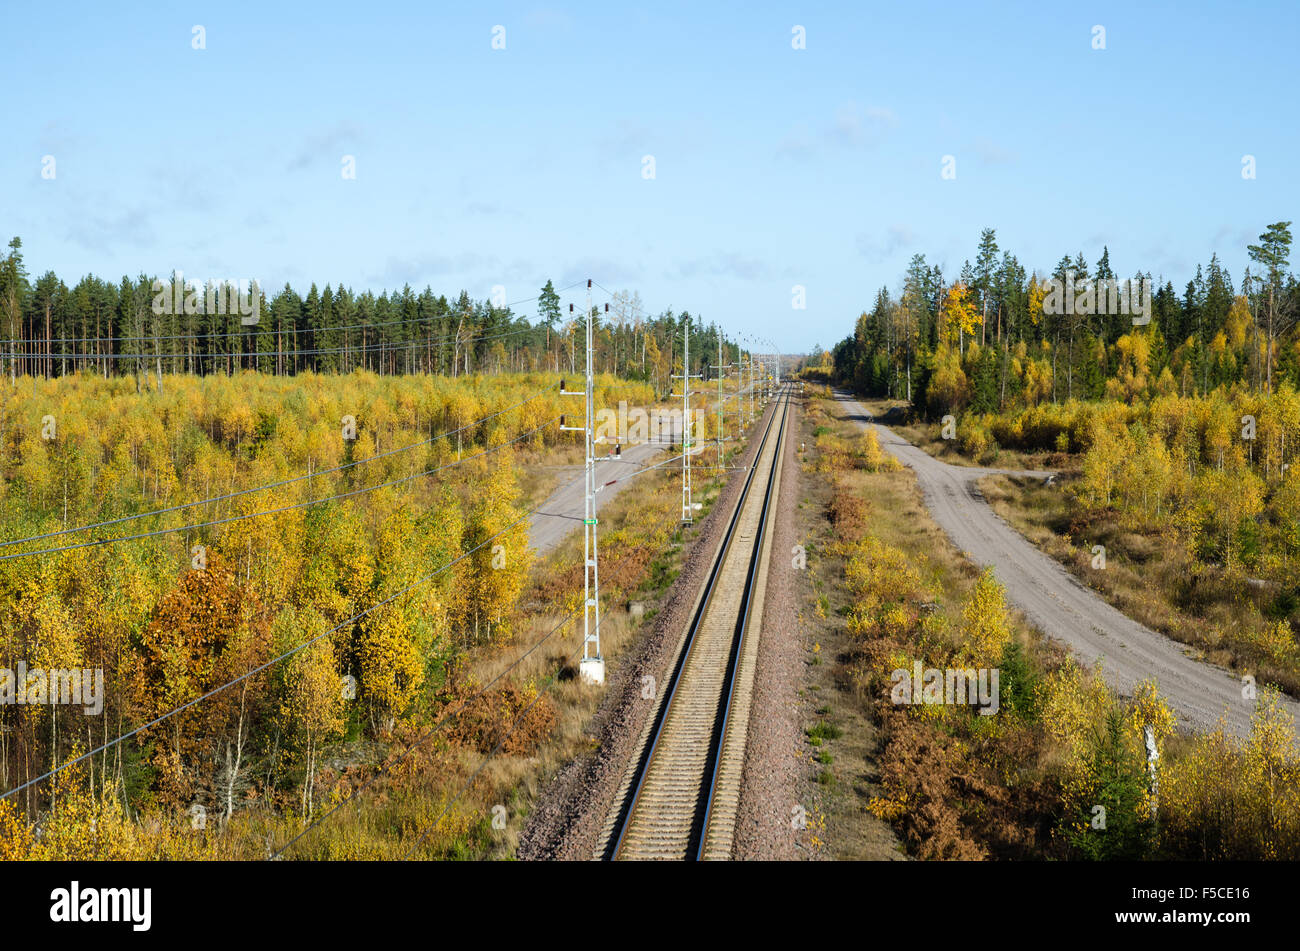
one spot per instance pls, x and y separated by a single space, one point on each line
514 716
203 634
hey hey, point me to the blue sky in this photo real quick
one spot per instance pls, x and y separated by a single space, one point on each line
774 167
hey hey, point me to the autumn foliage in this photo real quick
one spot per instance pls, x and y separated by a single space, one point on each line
287 636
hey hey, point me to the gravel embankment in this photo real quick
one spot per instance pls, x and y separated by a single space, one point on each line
768 793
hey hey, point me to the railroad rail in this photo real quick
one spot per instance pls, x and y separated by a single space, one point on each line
679 798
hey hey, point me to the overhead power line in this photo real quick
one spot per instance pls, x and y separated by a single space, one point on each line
264 666
274 511
305 330
443 719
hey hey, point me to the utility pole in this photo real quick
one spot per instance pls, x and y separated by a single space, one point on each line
742 422
591 668
721 368
688 507
750 357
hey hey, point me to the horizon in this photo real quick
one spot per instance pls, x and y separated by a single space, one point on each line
775 167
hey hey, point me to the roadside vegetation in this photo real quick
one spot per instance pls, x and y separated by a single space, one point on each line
1176 433
1060 771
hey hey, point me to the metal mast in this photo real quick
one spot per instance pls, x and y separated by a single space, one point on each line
751 384
688 508
592 666
721 368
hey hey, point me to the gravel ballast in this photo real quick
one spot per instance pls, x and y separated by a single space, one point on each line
570 813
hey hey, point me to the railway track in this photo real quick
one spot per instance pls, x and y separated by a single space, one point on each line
680 797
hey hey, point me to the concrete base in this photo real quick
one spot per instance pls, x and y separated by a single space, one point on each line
592 671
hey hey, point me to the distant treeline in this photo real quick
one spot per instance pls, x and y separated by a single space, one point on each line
993 336
48 329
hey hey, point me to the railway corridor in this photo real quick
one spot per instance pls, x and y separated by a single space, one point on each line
680 796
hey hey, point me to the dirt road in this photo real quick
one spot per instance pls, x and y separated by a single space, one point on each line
1058 604
562 512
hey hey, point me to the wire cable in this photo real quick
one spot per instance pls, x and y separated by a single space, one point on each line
551 681
443 719
275 511
261 667
305 330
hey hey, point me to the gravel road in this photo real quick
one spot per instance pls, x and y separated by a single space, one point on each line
1058 604
562 512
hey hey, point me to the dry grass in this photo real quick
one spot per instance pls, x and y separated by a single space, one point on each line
1150 575
879 746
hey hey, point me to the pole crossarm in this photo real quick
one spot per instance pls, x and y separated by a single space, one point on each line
592 664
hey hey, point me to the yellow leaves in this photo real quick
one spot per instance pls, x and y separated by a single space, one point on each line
896 622
392 668
15 836
873 458
1239 323
1226 498
960 316
1102 464
977 442
986 627
80 823
949 387
1149 709
498 542
314 692
1166 385
1074 704
1038 380
1285 505
889 808
1275 642
880 571
1146 475
1133 359
834 453
1270 752
1220 799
